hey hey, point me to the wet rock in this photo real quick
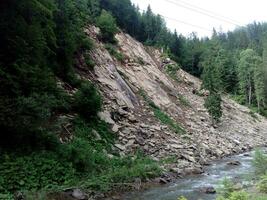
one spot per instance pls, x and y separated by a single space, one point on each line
233 163
78 194
208 190
163 181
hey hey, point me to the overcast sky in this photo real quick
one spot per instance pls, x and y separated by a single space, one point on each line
230 12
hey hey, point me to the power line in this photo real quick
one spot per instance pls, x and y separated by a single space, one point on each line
182 22
186 23
201 12
208 11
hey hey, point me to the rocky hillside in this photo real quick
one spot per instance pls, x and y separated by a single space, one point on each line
154 107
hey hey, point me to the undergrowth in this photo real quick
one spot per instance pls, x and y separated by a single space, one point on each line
83 162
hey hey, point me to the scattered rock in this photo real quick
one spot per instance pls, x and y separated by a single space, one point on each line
120 147
233 162
208 190
193 170
106 117
163 181
115 128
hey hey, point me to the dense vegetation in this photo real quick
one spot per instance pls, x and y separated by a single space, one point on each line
39 42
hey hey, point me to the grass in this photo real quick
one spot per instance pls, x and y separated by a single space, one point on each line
162 116
113 51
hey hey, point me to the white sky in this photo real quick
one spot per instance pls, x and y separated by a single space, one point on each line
242 11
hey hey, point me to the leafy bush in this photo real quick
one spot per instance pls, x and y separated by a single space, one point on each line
241 195
226 188
107 24
260 163
35 171
89 62
87 101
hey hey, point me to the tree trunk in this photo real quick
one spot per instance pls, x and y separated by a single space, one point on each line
249 92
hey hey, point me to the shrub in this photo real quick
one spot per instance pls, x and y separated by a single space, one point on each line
241 195
87 101
35 171
226 188
262 185
107 24
89 62
213 105
260 163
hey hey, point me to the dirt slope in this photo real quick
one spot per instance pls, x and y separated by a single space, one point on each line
145 69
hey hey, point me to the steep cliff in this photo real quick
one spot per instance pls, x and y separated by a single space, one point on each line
154 106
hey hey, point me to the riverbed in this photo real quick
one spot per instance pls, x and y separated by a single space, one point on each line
191 186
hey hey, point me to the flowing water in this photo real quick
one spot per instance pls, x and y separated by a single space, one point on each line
190 186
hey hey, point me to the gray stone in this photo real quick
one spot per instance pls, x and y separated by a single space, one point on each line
208 190
120 147
106 117
78 194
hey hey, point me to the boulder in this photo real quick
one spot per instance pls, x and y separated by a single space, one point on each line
208 190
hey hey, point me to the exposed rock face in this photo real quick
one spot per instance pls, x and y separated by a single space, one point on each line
130 116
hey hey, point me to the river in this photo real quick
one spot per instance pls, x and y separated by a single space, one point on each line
190 186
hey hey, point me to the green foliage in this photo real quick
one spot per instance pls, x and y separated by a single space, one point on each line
35 171
262 185
226 188
87 101
182 198
83 161
241 195
213 105
123 170
165 119
112 50
260 163
107 24
88 61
